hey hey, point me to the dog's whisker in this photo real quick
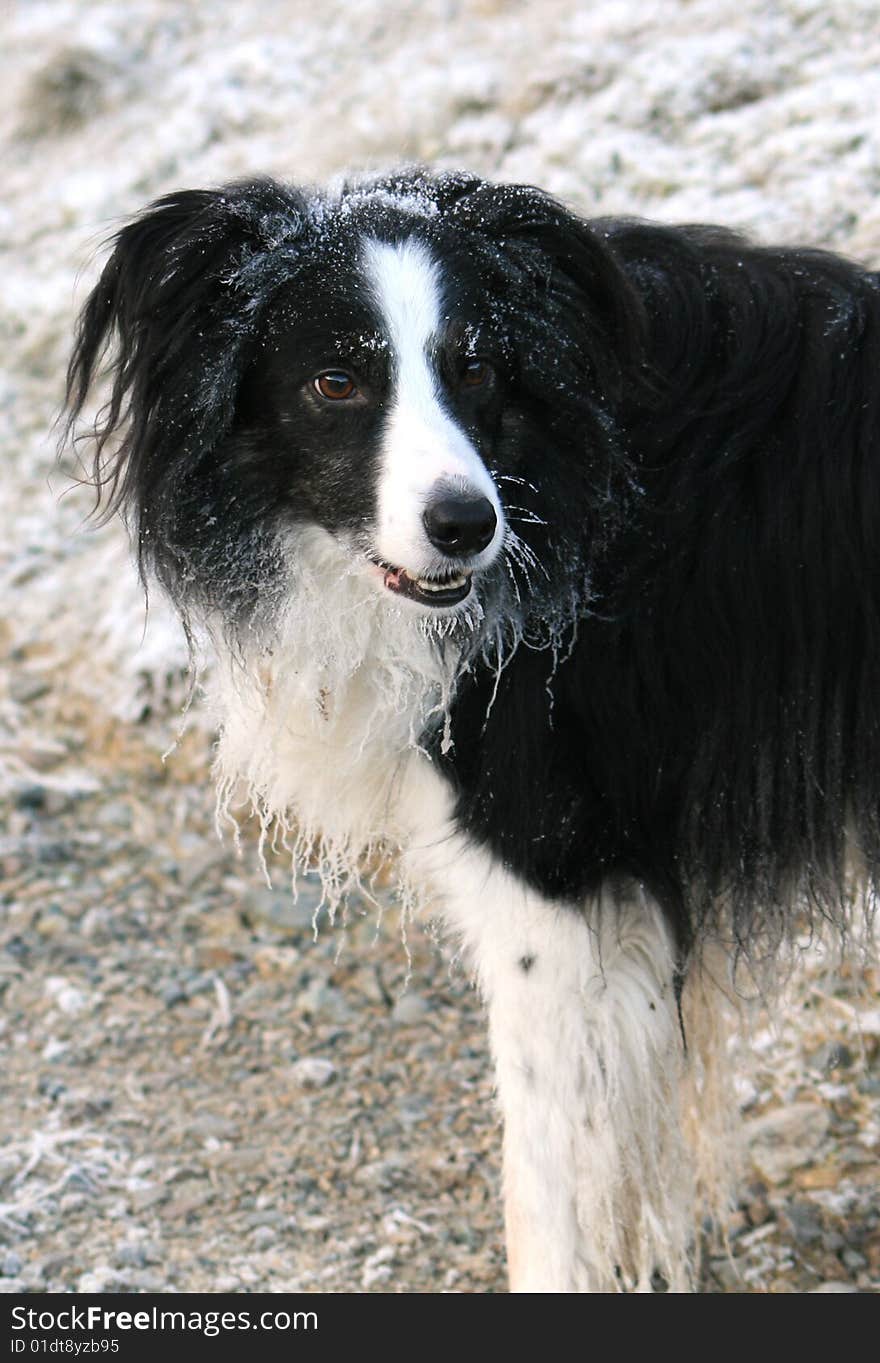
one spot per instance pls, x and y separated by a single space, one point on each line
512 478
526 517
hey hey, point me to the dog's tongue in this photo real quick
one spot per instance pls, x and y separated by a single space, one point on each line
394 578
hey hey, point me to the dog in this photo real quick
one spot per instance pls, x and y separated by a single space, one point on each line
538 555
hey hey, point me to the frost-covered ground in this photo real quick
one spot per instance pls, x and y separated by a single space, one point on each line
757 114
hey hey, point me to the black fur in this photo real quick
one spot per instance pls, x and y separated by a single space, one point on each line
685 430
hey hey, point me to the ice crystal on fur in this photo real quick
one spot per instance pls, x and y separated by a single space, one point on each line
318 716
332 687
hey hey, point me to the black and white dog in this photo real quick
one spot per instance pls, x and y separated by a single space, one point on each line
543 555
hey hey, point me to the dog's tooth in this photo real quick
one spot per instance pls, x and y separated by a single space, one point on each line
449 584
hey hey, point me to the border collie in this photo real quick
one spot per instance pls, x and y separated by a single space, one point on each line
540 555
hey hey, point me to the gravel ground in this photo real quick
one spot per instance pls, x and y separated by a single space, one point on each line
199 1095
197 1092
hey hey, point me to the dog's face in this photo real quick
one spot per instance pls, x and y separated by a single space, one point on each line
376 405
417 368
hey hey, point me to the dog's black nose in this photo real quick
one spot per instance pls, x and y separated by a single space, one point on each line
460 525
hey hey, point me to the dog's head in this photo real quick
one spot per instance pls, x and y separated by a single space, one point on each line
419 369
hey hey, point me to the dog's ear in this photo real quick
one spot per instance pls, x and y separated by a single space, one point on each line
178 304
584 318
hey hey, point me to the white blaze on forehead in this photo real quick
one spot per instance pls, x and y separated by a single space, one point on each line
422 444
405 280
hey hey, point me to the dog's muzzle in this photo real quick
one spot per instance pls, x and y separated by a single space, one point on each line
459 525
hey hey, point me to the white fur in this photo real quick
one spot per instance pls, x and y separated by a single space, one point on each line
600 1181
422 444
317 719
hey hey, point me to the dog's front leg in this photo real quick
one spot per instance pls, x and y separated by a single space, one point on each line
583 1027
532 982
588 1053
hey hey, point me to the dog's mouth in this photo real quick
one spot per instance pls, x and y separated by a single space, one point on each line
446 590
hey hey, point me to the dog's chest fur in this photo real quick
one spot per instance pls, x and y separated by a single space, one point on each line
323 725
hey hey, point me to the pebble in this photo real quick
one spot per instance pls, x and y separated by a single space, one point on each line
69 1203
51 922
114 814
383 1174
411 1111
378 1267
26 687
264 1237
42 754
10 1265
832 1055
189 1196
33 1275
727 1275
274 960
30 797
71 1000
101 1278
267 1217
144 1280
279 909
143 1198
213 1124
313 1073
130 1256
54 1265
53 1049
324 1002
786 1138
9 1165
197 865
50 1087
410 1009
805 1222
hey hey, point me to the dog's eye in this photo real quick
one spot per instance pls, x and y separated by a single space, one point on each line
335 385
474 373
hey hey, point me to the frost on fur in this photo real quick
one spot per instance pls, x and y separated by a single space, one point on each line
331 693
319 715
